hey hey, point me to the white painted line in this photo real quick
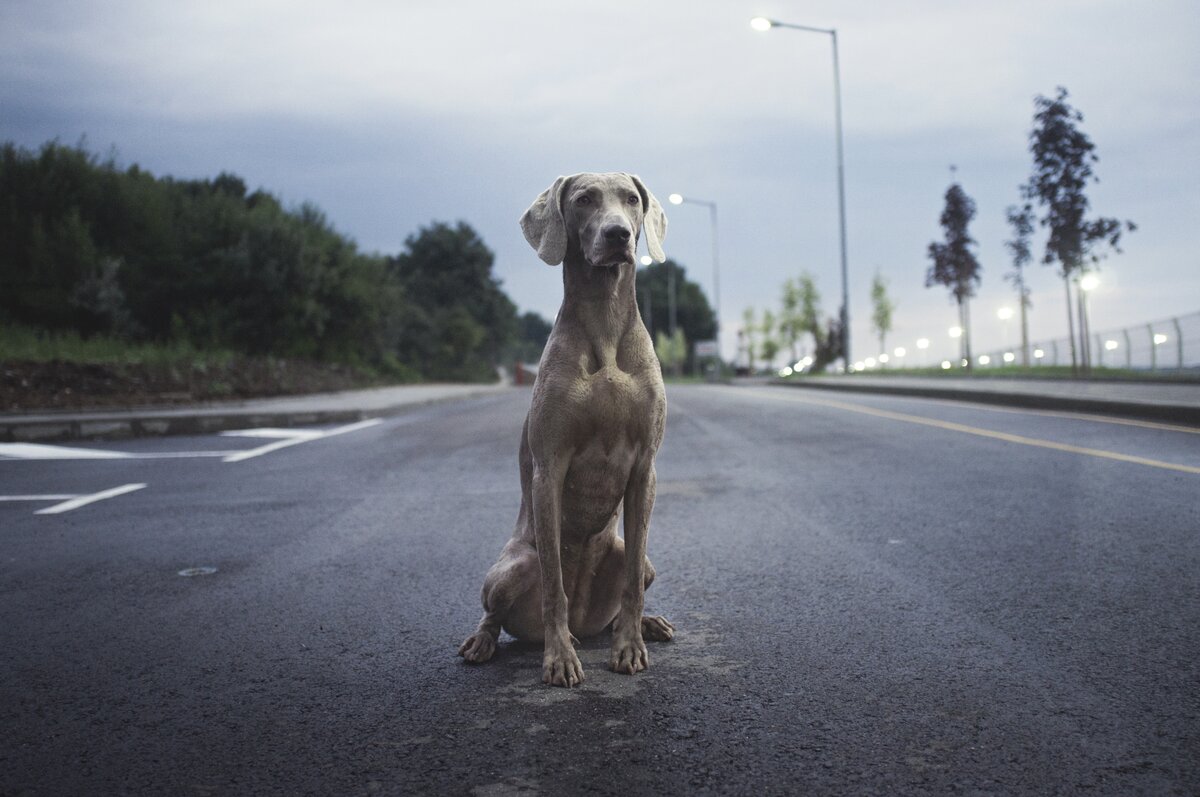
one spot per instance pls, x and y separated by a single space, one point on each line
38 451
36 497
84 500
300 436
277 434
354 427
12 452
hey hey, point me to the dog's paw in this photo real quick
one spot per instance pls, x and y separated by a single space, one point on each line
629 656
478 647
657 629
562 667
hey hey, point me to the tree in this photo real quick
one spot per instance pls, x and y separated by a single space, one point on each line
789 318
829 345
1063 157
770 343
881 310
954 264
749 336
1021 222
671 350
693 314
461 319
532 333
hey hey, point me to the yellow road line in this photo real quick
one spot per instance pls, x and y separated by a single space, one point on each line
1074 416
963 428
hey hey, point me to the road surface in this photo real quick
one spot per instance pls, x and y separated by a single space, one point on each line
872 596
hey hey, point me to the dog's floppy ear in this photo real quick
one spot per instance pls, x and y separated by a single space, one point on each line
655 221
544 226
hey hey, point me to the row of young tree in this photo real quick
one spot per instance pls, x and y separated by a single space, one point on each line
1063 160
95 249
797 329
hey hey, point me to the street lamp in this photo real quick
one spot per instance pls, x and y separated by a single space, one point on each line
679 199
762 24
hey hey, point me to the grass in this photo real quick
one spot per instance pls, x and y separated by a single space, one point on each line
19 343
1037 372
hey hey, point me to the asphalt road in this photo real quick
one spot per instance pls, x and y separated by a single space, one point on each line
872 596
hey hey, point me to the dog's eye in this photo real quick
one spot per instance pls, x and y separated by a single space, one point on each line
634 199
583 199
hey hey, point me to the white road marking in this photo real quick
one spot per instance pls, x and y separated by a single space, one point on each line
291 437
22 451
36 497
84 500
38 451
282 438
276 434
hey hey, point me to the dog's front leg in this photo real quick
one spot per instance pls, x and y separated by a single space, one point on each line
628 647
560 665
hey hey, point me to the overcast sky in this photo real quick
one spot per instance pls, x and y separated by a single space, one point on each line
391 115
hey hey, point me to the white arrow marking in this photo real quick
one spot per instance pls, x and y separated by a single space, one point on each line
84 500
37 451
295 438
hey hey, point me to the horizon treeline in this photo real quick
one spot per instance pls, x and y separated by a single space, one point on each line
91 248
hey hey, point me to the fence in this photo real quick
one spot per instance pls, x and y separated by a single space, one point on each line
1170 345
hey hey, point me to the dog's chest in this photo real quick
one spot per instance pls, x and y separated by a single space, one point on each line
618 417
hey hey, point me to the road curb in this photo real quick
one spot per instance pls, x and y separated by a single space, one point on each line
1172 413
117 425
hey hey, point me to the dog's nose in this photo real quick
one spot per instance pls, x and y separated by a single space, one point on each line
616 233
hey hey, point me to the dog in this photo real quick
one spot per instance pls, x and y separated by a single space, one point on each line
595 423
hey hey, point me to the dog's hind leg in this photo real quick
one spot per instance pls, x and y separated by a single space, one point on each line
513 575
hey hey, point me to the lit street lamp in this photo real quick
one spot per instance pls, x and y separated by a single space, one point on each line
762 24
679 199
1005 314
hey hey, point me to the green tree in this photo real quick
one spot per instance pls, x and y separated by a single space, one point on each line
693 314
789 318
749 336
1063 156
672 350
828 345
532 332
1021 221
461 319
954 264
769 346
881 310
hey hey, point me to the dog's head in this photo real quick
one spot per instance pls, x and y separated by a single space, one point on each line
600 215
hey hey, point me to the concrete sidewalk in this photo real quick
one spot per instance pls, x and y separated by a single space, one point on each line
1162 401
320 408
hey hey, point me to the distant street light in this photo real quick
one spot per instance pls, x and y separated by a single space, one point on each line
762 24
955 332
679 199
1004 314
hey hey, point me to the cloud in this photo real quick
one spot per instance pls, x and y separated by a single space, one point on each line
391 115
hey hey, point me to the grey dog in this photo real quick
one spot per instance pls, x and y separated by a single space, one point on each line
587 450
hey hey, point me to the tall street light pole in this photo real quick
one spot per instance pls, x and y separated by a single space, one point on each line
679 199
763 24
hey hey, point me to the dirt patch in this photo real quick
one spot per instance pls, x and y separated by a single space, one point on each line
66 385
